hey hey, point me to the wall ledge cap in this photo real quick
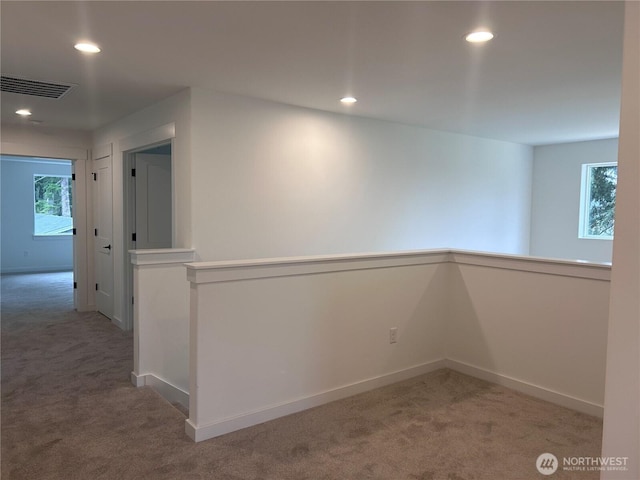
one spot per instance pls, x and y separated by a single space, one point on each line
162 256
233 270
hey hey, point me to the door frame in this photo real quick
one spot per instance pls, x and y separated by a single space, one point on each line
83 298
162 135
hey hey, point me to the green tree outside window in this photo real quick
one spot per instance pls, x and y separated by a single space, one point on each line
599 200
53 201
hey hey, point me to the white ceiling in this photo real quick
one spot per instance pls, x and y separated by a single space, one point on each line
552 74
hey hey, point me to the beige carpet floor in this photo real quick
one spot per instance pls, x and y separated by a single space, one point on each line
69 412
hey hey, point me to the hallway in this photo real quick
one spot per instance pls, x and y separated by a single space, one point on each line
68 407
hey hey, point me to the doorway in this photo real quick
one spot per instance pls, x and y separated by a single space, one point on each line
152 196
38 210
148 205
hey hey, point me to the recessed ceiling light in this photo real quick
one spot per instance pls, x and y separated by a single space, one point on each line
348 100
87 47
479 36
24 112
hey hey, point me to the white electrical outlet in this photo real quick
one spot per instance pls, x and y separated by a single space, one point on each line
393 335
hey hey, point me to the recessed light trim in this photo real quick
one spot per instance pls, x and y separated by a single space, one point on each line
348 100
87 47
479 36
23 112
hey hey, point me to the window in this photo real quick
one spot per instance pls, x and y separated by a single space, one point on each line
598 200
52 205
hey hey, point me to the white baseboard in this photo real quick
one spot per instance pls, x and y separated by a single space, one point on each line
86 308
54 269
118 322
204 432
169 392
527 388
138 380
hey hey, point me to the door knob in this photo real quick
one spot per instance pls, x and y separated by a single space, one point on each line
108 247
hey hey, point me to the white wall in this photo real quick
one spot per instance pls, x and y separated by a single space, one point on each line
622 398
21 251
174 110
256 179
161 321
270 337
268 340
546 329
555 205
272 180
23 136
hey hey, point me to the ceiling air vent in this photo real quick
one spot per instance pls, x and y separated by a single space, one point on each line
35 88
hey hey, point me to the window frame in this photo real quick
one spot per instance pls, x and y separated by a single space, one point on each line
585 200
33 187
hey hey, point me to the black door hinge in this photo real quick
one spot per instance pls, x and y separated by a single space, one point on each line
95 232
133 301
96 287
73 176
74 231
133 172
75 285
133 237
95 176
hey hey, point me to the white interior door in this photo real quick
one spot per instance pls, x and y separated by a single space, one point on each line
103 241
153 201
